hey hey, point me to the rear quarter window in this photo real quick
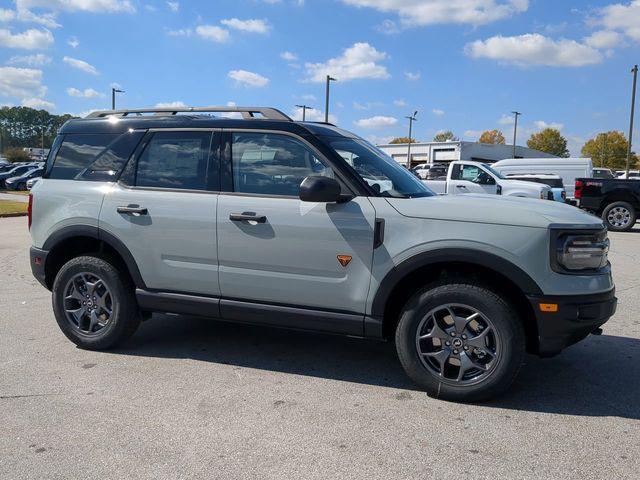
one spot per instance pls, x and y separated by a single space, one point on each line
95 157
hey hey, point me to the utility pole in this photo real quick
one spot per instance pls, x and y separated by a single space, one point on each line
412 118
326 98
113 96
304 111
515 130
634 70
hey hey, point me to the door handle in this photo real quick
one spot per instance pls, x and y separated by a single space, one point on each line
132 210
461 186
247 217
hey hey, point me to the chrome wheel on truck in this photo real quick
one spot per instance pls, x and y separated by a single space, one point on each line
619 216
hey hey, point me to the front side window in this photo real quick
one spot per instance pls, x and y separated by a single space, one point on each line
175 160
77 152
381 172
272 164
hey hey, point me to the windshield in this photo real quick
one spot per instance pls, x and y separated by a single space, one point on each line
495 172
381 172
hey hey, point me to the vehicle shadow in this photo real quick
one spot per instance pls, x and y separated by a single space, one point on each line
598 377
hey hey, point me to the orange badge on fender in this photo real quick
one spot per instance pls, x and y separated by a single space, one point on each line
344 259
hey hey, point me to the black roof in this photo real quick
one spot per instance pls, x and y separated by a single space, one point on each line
121 124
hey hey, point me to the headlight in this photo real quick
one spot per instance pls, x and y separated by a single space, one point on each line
582 251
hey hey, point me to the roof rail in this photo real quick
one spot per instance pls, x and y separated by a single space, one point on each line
247 112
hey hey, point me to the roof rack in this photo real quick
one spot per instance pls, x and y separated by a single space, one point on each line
247 112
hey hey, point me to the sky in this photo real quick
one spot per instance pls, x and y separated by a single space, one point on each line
464 65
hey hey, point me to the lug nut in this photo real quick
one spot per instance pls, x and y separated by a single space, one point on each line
464 337
466 348
455 351
453 334
447 343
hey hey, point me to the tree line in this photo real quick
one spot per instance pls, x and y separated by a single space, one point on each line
606 149
27 127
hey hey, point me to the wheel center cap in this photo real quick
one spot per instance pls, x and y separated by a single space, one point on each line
89 304
457 343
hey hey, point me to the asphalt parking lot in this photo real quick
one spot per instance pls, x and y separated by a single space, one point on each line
194 398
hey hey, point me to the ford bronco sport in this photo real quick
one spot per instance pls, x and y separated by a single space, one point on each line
263 220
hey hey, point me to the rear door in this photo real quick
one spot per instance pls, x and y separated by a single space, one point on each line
275 249
164 209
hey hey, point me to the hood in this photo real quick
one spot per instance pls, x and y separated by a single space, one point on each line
526 212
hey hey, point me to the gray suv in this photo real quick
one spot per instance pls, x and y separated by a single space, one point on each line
251 217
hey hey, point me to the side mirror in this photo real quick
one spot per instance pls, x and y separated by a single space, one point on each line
485 179
319 189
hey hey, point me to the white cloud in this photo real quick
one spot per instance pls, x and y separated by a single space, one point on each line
288 56
505 120
21 82
414 77
400 103
32 39
35 60
94 6
175 104
625 18
472 133
367 105
541 125
86 93
357 61
181 32
388 27
248 79
253 25
438 112
173 6
533 49
380 140
80 65
309 97
604 39
378 121
38 103
429 12
213 33
73 42
23 15
312 115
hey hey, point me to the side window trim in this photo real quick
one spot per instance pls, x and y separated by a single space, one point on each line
226 160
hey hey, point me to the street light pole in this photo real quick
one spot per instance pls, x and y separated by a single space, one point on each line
304 111
326 98
412 118
515 130
113 96
634 70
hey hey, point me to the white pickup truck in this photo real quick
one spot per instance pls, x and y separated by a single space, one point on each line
476 177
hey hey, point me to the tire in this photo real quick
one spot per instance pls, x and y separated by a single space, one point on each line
500 355
110 313
21 186
619 216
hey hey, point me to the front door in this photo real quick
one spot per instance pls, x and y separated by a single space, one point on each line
469 178
275 249
166 214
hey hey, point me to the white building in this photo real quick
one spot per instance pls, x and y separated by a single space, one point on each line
445 152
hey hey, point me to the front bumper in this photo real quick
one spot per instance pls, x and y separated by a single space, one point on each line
38 259
576 317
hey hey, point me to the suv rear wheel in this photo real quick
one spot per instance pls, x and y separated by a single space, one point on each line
94 303
460 341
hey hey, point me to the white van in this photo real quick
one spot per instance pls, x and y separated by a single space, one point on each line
568 168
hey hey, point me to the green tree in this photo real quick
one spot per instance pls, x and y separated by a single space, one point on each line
445 136
492 136
403 140
24 127
609 149
550 141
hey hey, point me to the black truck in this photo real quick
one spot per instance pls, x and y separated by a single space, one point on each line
616 201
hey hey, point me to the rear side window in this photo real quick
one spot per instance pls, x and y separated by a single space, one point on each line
77 152
176 160
109 162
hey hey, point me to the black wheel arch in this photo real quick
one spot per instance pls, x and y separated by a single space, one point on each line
74 240
406 278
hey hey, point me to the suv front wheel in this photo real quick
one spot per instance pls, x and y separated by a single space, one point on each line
94 303
460 341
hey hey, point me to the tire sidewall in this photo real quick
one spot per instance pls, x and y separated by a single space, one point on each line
613 205
504 319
